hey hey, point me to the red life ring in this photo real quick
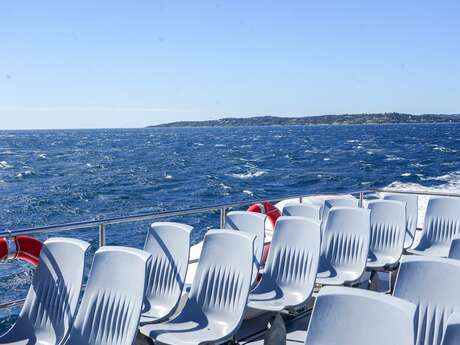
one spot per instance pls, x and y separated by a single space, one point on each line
24 248
267 208
273 214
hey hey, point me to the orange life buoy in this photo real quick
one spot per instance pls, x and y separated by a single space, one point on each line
267 208
23 248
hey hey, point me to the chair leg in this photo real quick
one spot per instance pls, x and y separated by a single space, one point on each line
374 281
276 333
393 275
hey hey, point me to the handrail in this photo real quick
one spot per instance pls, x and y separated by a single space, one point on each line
12 304
416 192
183 212
149 216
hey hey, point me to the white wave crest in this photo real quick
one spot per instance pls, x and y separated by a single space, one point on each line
248 175
5 165
390 158
443 148
224 186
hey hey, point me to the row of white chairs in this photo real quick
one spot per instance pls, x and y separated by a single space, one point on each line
110 307
441 224
388 222
429 283
127 287
353 238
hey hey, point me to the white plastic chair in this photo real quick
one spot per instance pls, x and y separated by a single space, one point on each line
344 246
411 215
169 244
214 308
336 202
252 223
307 210
442 222
291 268
433 285
348 316
50 306
454 250
112 303
388 230
452 331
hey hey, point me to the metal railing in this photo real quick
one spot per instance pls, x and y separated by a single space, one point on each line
101 224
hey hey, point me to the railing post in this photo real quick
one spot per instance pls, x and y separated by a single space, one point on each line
361 199
222 217
101 235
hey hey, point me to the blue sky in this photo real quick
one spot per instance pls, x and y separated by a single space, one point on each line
67 64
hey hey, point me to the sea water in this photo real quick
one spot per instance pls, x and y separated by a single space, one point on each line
49 177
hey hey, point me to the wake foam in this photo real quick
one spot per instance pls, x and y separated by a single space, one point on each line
450 183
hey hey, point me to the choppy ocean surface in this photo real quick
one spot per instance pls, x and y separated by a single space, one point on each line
49 177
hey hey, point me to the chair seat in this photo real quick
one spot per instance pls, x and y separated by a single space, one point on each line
184 332
382 262
271 300
330 277
437 251
268 297
154 315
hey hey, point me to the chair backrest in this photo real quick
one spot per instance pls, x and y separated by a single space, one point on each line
169 244
294 255
454 250
432 284
452 331
348 316
337 202
345 242
306 210
111 305
442 222
411 215
388 229
50 306
221 284
252 223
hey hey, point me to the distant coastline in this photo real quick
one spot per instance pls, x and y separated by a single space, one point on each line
344 119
